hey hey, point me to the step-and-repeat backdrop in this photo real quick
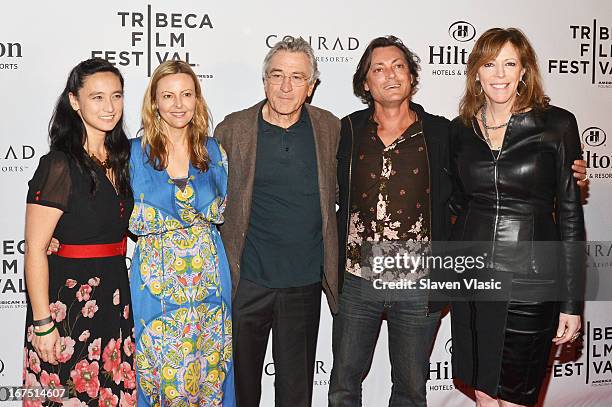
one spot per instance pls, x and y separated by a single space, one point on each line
225 42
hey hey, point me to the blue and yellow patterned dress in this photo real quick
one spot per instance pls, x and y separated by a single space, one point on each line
181 286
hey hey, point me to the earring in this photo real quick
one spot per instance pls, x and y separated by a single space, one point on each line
157 114
479 93
524 84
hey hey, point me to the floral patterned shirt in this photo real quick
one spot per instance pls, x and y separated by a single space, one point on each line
389 193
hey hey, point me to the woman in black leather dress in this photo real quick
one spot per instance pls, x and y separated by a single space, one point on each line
511 155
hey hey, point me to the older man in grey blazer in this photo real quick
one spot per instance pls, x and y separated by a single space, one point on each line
280 229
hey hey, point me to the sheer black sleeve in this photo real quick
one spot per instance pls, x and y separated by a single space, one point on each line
51 184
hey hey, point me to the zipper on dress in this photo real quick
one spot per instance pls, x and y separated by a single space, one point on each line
496 207
495 159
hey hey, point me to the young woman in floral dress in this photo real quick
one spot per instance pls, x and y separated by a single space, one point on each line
79 331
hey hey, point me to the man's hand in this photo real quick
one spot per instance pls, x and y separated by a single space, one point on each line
580 173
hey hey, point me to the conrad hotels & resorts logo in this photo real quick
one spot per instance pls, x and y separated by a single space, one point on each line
15 158
327 48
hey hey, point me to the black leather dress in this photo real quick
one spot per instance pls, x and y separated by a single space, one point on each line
525 193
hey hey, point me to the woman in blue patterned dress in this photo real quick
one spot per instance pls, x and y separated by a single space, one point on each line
180 279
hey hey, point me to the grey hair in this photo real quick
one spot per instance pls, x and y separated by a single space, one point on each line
292 44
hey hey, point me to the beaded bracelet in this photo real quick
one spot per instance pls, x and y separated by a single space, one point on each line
41 322
47 332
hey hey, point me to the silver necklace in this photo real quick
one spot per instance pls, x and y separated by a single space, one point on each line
485 133
483 116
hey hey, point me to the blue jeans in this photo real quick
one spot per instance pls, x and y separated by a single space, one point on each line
355 332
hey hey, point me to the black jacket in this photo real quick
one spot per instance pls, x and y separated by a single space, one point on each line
526 194
436 132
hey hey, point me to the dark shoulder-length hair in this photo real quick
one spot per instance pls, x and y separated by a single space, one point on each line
531 92
359 78
67 132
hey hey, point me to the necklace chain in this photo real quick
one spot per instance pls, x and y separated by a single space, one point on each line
104 164
483 118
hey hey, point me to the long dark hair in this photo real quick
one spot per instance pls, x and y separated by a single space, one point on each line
67 131
359 78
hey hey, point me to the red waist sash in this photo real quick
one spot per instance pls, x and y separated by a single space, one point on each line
89 251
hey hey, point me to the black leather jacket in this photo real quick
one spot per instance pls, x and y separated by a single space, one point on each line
526 194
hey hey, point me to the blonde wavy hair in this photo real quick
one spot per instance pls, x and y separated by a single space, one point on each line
487 47
153 137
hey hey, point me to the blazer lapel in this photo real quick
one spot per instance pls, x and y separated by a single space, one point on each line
247 145
321 139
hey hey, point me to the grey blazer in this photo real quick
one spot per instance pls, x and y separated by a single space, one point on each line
237 133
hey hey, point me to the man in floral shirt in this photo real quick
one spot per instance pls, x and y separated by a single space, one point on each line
393 188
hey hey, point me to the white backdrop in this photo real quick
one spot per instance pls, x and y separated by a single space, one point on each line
226 43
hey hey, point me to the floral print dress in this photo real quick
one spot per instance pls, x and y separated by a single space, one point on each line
181 286
89 298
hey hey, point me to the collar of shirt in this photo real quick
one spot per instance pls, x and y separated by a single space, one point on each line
412 130
267 127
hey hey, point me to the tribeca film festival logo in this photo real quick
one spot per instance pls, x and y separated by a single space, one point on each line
450 59
599 160
9 52
594 55
14 158
156 37
599 354
332 49
12 284
597 369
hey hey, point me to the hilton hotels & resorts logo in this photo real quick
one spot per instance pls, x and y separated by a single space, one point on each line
596 153
450 59
9 52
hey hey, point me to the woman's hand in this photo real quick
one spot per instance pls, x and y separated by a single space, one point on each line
53 247
568 330
47 347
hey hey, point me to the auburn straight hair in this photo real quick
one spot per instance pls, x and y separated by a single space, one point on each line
487 47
